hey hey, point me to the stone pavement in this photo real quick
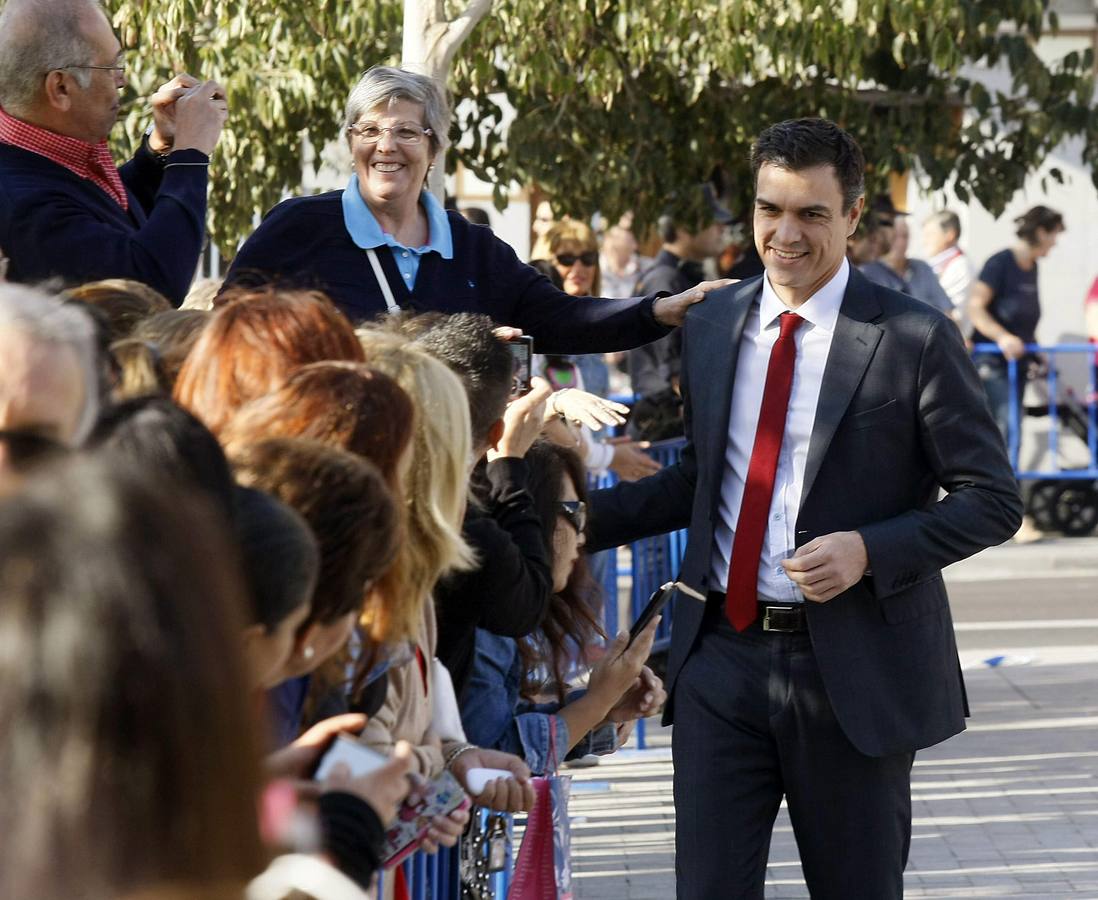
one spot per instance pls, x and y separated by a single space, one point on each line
1009 808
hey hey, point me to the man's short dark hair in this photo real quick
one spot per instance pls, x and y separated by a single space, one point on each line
466 342
798 144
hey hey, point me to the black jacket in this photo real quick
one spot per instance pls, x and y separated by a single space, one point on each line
508 593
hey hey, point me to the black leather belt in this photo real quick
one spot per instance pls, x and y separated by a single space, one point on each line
786 619
782 618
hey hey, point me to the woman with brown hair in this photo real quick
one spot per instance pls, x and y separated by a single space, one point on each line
350 510
252 342
505 706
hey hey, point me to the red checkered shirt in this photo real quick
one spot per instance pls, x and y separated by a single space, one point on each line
89 161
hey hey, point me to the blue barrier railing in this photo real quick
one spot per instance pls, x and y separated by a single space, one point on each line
437 876
1081 417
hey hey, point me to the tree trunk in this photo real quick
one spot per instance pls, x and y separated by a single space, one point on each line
429 43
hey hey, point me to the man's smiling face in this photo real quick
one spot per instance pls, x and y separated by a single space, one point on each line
801 228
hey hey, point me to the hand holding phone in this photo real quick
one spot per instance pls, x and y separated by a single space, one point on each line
522 358
657 602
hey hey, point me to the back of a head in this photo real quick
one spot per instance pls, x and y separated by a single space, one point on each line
347 505
799 144
438 483
35 328
345 405
129 759
174 334
279 554
253 341
125 303
156 436
467 343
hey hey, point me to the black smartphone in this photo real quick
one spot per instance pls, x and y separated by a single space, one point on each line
522 358
656 603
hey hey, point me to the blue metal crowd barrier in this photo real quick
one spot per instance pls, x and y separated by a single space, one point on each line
437 876
1057 408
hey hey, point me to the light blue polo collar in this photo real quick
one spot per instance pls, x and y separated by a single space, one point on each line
366 232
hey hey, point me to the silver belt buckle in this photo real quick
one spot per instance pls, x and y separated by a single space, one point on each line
766 619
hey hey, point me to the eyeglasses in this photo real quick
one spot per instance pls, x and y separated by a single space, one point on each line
588 258
26 447
409 135
575 512
119 67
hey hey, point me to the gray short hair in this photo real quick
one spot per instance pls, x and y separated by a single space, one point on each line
46 319
383 85
946 220
37 36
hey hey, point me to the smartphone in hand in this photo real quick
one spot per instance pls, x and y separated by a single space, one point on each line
656 603
522 358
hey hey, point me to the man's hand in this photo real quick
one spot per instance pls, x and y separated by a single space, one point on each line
200 114
630 462
522 421
642 700
163 111
503 794
671 310
1013 347
827 566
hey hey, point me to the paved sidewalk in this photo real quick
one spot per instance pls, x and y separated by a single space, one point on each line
1009 808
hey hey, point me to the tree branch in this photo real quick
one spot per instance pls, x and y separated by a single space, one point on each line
461 27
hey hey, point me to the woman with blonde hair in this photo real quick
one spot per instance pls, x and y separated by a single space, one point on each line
435 495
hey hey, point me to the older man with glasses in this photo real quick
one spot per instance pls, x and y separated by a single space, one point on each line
66 210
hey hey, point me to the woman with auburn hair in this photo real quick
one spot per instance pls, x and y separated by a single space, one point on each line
342 404
128 758
252 342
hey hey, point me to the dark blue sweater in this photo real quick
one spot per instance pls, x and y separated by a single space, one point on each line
54 223
303 242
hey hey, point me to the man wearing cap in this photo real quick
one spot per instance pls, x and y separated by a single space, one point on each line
66 210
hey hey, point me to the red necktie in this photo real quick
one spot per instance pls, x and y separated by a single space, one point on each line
741 604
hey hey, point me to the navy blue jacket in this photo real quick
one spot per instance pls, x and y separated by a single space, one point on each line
53 223
303 242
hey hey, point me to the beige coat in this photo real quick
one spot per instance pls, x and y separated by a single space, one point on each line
407 711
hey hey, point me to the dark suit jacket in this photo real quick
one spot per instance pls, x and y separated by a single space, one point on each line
901 414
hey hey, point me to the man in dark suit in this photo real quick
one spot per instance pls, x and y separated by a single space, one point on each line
824 414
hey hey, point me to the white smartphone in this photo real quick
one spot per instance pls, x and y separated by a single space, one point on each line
359 758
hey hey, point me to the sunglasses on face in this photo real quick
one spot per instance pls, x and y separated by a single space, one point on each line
575 512
26 447
588 258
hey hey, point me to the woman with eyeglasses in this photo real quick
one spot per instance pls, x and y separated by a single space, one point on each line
518 699
384 243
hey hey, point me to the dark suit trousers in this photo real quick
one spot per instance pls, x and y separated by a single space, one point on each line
753 724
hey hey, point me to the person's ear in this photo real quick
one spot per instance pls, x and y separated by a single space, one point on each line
854 216
495 434
57 91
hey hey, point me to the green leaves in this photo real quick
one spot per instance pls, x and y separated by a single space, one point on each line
627 104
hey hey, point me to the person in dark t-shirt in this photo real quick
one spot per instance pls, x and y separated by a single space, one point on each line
1005 307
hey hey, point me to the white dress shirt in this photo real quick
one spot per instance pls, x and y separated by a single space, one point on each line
813 343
